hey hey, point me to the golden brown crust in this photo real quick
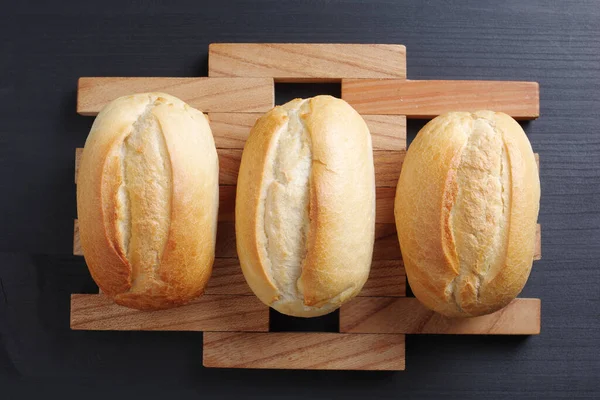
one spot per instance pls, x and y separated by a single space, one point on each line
340 194
147 201
466 209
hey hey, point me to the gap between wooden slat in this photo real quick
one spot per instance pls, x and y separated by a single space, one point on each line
408 316
207 313
307 62
205 94
230 130
427 99
303 350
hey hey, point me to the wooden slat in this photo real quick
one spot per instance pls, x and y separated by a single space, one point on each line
303 350
385 199
386 246
303 62
427 99
205 94
388 132
77 251
231 130
407 315
387 278
207 313
387 166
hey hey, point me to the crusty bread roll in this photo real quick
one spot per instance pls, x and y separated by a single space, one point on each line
466 209
305 206
147 201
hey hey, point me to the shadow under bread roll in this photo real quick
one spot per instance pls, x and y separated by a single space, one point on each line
305 206
466 209
147 201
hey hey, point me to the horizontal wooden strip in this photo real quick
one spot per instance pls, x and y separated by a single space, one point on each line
231 130
205 94
207 313
386 246
388 132
307 62
427 99
303 350
407 315
387 166
387 278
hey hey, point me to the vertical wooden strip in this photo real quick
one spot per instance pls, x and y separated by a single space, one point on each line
303 350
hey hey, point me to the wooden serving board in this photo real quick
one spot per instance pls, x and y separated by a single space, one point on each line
240 87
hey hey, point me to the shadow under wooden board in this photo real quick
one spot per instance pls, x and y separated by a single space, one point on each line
238 90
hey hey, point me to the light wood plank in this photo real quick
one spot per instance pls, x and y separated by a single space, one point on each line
387 278
427 99
407 315
207 313
388 132
386 246
387 166
307 62
205 94
303 350
231 130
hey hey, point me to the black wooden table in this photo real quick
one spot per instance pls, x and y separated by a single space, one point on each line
45 47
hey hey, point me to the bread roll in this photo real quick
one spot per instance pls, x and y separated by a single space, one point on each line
305 206
466 209
147 201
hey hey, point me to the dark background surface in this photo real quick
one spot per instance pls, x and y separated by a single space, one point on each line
45 47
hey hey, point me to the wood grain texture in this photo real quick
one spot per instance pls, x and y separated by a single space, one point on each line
387 278
407 315
386 246
388 132
387 166
231 130
206 313
303 350
77 251
205 94
303 62
427 99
